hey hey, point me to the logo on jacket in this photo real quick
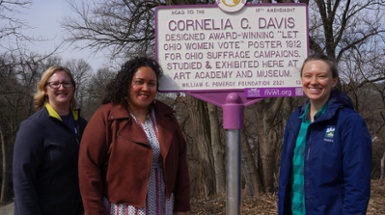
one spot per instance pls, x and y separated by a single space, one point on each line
329 134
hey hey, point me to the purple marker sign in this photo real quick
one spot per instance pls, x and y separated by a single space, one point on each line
202 48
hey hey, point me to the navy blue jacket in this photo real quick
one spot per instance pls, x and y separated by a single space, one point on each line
45 169
337 166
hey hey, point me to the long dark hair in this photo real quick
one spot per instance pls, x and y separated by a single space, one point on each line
118 88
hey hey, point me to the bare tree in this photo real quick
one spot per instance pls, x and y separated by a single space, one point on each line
124 28
18 72
18 77
95 90
197 109
81 70
10 24
363 76
344 25
218 148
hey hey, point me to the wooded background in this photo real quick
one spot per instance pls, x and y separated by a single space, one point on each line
350 31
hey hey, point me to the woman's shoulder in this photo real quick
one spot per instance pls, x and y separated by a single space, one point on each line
39 116
37 120
348 116
162 107
348 113
110 111
107 108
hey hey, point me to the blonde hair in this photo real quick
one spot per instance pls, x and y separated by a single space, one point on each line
40 97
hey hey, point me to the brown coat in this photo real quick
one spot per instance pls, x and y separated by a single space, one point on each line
112 139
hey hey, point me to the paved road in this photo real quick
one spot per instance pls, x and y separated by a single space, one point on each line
7 210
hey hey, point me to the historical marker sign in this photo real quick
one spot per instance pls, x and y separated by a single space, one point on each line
258 49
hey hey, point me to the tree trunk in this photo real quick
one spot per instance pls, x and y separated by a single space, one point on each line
201 129
267 111
6 176
382 166
250 170
218 149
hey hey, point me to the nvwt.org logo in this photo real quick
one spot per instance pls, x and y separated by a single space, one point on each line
231 5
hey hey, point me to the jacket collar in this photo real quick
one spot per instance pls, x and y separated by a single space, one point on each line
165 123
52 112
336 101
119 111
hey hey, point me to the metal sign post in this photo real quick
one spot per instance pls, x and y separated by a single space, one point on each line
233 122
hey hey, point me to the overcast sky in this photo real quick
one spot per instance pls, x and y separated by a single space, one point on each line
44 16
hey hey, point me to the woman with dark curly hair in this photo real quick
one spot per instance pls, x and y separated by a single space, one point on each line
132 156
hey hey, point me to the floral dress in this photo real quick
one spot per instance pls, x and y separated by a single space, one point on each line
156 202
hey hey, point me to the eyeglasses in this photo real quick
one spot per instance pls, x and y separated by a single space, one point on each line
56 84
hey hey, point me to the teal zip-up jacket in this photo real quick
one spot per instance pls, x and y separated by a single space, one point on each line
45 170
337 166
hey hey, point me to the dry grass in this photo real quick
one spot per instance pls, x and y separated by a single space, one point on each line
267 204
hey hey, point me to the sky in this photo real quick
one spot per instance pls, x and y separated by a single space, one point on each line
44 16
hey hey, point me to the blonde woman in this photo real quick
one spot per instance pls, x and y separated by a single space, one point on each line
45 172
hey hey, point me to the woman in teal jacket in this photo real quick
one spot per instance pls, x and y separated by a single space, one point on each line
45 160
327 149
